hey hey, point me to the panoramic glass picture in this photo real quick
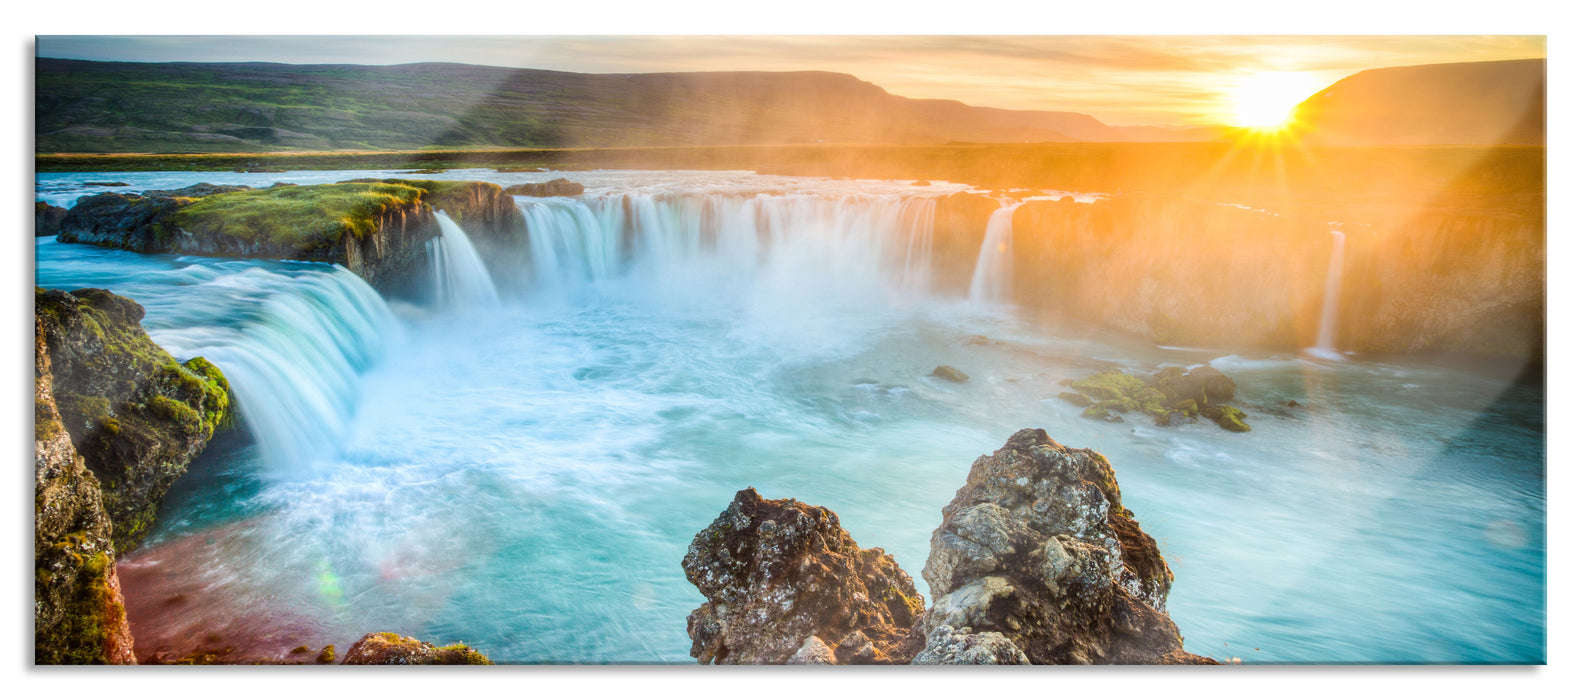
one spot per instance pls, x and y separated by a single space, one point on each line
790 350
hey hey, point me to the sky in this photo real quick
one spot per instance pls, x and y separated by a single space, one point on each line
1121 80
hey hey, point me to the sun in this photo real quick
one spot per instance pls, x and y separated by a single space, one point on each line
1266 100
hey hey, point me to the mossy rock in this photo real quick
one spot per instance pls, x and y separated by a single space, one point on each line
1118 391
390 649
135 415
1228 417
1097 412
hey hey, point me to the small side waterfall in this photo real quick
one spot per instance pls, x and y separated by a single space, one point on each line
991 278
294 360
460 278
1326 326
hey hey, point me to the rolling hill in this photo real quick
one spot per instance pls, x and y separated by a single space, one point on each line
1484 103
88 106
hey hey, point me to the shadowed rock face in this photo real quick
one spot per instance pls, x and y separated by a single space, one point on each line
47 219
783 578
1037 548
1036 562
79 616
388 649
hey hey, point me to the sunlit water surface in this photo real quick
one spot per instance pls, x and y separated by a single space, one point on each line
526 477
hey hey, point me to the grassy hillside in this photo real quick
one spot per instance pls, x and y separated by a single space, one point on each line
95 107
1490 102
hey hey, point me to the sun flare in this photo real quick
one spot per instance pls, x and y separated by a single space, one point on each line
1266 100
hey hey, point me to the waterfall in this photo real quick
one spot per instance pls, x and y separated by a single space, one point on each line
1326 326
991 277
718 245
460 278
294 359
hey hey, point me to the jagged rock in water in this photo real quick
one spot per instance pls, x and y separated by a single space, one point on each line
558 187
202 189
777 572
1038 548
135 415
1172 396
79 616
388 649
47 219
949 374
947 645
124 221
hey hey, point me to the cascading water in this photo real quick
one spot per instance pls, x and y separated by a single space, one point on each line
292 339
460 278
712 243
991 277
1328 320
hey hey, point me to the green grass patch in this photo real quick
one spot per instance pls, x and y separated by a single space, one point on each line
305 217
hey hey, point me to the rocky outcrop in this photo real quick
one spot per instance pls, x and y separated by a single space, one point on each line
783 580
1171 396
558 187
375 228
47 219
135 415
202 189
79 616
1036 562
125 221
1037 548
949 374
388 649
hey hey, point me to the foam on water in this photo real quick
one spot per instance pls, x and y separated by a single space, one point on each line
527 478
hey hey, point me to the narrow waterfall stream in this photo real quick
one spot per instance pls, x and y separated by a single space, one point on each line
991 277
1327 322
460 277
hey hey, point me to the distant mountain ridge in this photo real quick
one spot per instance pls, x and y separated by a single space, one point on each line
90 106
105 107
1481 103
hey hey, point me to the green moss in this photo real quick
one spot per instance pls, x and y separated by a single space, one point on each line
461 654
1098 413
305 217
44 424
327 654
1114 390
202 384
172 410
1228 417
91 611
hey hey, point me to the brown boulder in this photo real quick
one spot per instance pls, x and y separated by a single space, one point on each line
782 576
1037 548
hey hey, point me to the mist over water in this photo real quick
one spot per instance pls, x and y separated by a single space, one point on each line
526 476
